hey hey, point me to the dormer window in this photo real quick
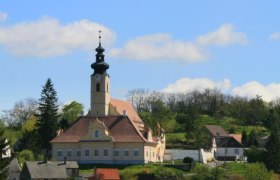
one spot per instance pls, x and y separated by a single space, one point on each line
96 133
97 87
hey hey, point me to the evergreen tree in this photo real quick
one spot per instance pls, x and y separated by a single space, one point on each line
253 139
4 162
273 144
47 123
244 138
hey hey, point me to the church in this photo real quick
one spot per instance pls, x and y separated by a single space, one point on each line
112 132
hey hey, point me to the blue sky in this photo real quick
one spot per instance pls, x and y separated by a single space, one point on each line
169 46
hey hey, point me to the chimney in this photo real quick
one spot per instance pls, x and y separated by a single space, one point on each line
65 160
124 112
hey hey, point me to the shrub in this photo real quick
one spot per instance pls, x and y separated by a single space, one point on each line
188 160
255 155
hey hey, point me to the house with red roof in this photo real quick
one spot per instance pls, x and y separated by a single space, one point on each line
112 132
225 146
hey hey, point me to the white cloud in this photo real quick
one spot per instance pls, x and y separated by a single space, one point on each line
251 89
163 47
186 85
159 47
275 36
224 36
3 16
48 37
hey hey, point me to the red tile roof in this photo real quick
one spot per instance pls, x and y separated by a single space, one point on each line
122 106
108 174
237 137
121 129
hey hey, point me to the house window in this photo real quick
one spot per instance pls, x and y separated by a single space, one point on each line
69 153
153 154
136 152
96 133
96 152
59 153
126 153
97 87
87 153
105 152
116 153
236 151
78 153
147 153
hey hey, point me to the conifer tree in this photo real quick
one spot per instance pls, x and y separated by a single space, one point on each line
273 144
4 162
47 123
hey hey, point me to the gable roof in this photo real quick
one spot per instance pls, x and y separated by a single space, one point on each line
108 174
50 169
125 106
228 142
237 137
14 166
216 131
120 128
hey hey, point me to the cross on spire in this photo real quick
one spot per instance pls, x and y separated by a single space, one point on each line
99 36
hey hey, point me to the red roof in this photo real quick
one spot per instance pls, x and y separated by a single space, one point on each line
122 106
121 129
107 174
237 137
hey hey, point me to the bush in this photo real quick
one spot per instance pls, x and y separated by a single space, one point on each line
255 155
188 160
25 155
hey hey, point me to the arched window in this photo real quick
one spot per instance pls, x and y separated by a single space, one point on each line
107 87
96 133
97 87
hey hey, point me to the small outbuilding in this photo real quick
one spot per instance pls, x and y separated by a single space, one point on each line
35 170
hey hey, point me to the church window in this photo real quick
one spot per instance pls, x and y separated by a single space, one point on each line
126 153
78 153
97 87
105 152
96 152
59 153
96 133
87 153
69 153
116 153
136 152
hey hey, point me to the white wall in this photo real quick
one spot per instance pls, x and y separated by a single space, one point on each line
174 154
230 152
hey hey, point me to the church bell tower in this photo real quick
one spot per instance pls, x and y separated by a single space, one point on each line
100 84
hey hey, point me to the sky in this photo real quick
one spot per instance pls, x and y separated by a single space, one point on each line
168 46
